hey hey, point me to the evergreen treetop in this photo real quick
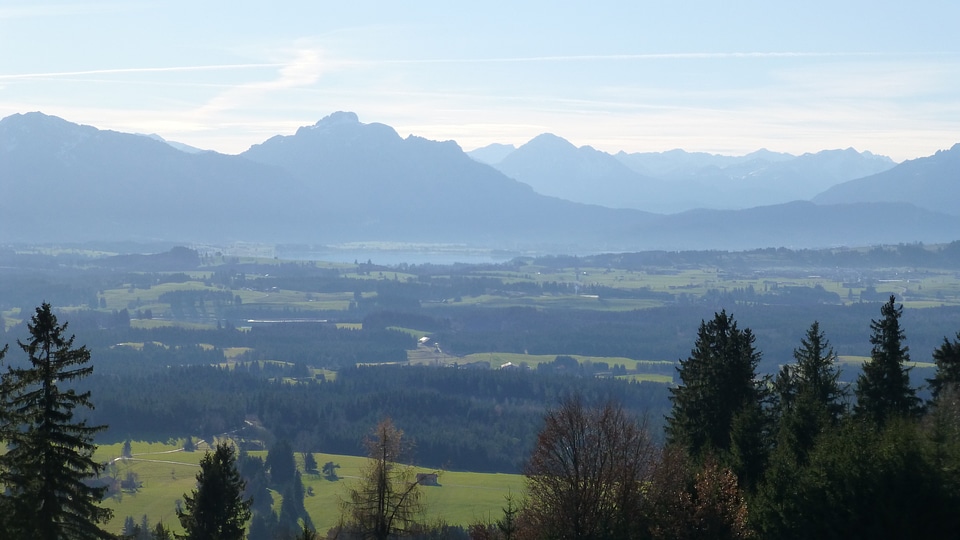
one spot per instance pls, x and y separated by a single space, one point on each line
717 383
947 359
49 457
883 389
216 509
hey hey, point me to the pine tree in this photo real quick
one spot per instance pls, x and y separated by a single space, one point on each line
947 359
810 402
309 463
883 389
809 393
507 525
216 509
161 532
718 384
49 458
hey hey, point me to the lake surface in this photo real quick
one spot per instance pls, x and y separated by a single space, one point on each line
393 257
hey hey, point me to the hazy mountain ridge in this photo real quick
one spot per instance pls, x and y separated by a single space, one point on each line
178 145
492 153
675 181
341 180
86 183
931 182
553 166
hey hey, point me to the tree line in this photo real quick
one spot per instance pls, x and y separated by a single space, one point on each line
480 420
796 455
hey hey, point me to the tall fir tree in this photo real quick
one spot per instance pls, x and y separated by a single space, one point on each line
49 460
810 401
718 405
809 394
947 359
883 389
216 509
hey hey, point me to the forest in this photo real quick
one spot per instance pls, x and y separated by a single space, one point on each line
792 349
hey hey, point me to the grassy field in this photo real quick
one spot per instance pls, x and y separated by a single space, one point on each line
919 288
661 371
167 473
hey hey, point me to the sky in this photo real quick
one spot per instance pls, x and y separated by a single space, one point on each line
639 76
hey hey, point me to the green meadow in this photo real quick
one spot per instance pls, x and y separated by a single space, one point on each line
167 473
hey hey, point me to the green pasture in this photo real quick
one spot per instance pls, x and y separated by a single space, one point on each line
417 334
123 298
859 360
642 368
147 324
303 301
919 288
556 301
647 377
350 326
167 473
462 497
231 353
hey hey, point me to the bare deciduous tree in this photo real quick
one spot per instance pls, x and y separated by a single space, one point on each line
586 474
387 501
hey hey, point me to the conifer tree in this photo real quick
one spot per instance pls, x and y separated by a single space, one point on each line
216 510
947 359
809 393
810 402
883 389
718 384
49 457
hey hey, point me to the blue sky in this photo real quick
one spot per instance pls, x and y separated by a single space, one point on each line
724 77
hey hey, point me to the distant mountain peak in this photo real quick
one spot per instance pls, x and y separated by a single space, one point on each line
492 153
38 130
548 141
42 120
338 118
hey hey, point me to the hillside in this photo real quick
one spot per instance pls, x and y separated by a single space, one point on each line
553 166
374 184
931 182
65 182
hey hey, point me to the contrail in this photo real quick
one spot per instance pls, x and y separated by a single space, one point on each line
646 56
54 74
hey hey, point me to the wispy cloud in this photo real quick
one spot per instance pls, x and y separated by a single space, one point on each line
623 57
303 70
125 71
38 9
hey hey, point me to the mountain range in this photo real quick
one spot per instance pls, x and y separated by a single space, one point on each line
675 181
341 180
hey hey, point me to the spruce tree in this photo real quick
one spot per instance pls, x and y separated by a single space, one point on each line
947 359
718 385
49 458
883 389
810 401
216 510
809 393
